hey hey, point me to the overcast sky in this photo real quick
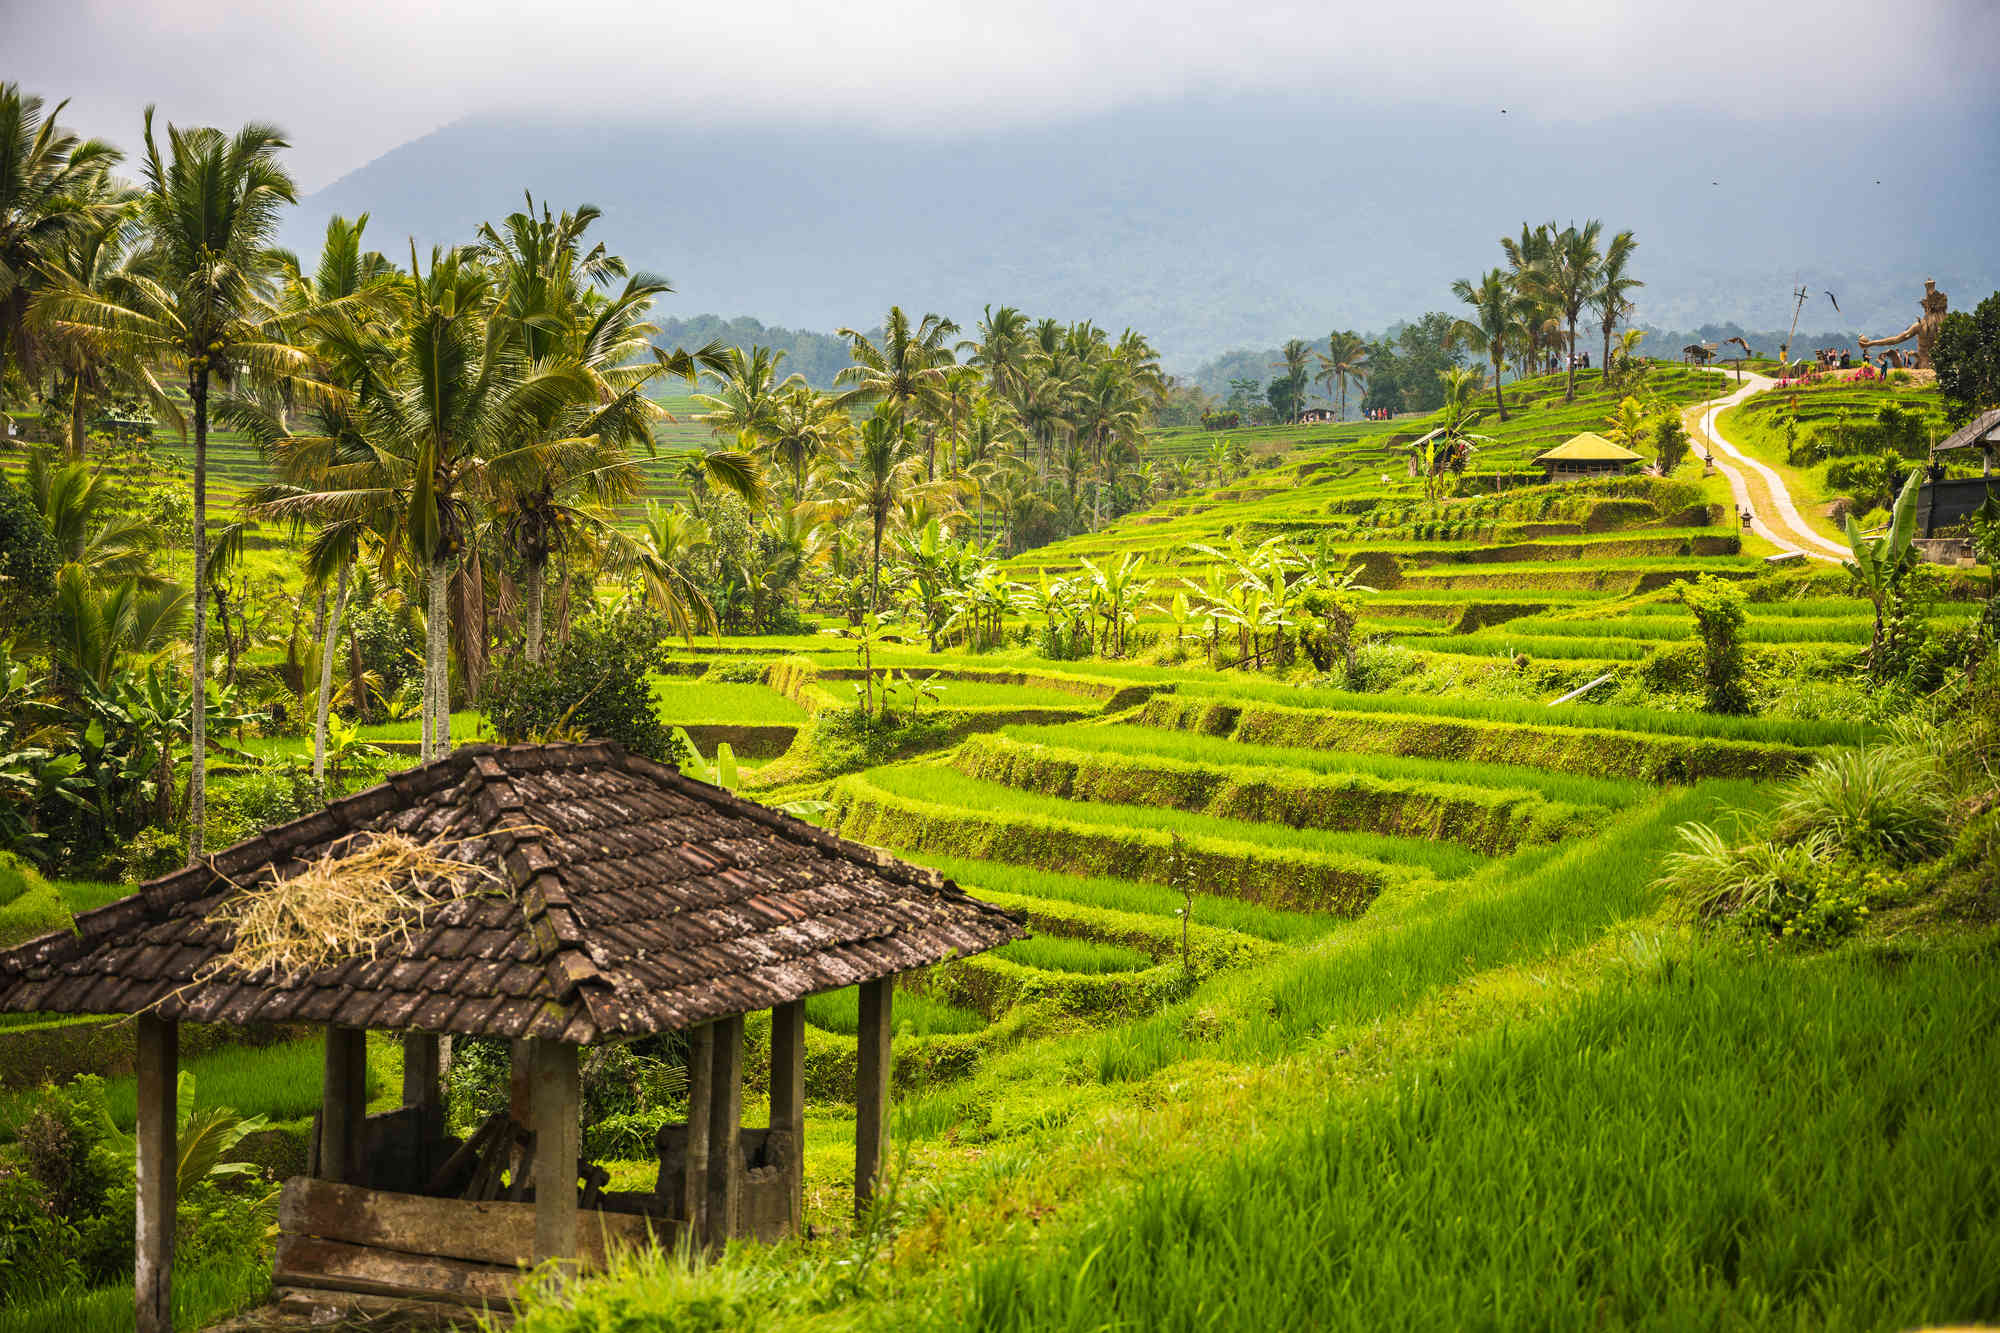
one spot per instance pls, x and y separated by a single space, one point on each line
350 81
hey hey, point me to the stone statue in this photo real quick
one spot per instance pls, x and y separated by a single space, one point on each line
1925 330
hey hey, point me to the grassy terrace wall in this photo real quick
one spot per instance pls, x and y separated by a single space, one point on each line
1569 749
1488 821
1295 880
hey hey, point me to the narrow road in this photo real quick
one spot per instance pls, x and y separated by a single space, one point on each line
1757 487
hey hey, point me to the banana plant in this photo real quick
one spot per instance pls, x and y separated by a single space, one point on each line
1881 565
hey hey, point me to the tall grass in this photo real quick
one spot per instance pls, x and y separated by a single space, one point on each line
1727 1143
204 1292
920 1015
282 1082
1124 895
1534 904
687 702
1055 953
1193 747
946 786
1706 726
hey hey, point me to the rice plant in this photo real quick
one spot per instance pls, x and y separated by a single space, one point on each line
916 1014
1057 953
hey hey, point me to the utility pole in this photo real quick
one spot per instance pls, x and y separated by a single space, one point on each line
1785 352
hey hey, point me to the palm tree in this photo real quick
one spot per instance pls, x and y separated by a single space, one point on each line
906 371
50 190
748 394
662 553
90 258
1567 277
805 427
1345 358
195 303
1610 298
1003 352
1497 313
1295 359
883 474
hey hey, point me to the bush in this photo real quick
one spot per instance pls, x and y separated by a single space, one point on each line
275 792
1717 605
37 1248
1868 804
594 686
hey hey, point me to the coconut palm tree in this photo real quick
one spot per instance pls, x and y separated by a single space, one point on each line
1295 360
885 473
1610 298
51 189
196 304
1345 358
662 553
906 372
1567 277
91 534
1003 352
806 427
1496 315
90 258
748 394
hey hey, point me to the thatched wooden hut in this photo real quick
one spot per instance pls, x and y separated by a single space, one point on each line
610 898
1587 455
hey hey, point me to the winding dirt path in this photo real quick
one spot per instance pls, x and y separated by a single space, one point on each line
1757 487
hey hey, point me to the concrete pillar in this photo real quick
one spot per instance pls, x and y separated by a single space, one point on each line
694 1174
871 1087
343 1105
725 1130
158 1166
558 1143
788 1094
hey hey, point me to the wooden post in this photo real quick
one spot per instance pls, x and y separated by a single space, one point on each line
422 1069
788 1095
725 1131
158 1165
558 1142
871 1087
520 1082
694 1171
343 1105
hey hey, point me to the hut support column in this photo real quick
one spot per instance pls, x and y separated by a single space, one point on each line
788 1096
344 1105
421 1093
694 1174
871 1088
725 1131
158 1166
558 1143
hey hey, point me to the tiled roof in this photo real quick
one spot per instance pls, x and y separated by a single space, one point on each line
631 899
1983 430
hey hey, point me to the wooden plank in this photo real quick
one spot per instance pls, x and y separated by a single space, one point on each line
725 1126
331 1265
158 1162
788 1095
496 1233
694 1176
343 1104
558 1143
871 1087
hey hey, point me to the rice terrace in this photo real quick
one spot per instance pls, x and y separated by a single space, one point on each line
523 805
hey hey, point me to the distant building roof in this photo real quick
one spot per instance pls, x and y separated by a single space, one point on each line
1983 430
1588 447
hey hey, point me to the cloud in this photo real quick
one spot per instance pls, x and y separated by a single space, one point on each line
350 81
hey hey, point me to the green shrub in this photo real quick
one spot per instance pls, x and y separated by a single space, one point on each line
595 686
1717 607
37 1247
1868 803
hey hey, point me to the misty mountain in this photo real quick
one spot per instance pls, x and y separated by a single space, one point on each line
1218 224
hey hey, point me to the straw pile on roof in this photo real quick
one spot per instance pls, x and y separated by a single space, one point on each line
346 904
